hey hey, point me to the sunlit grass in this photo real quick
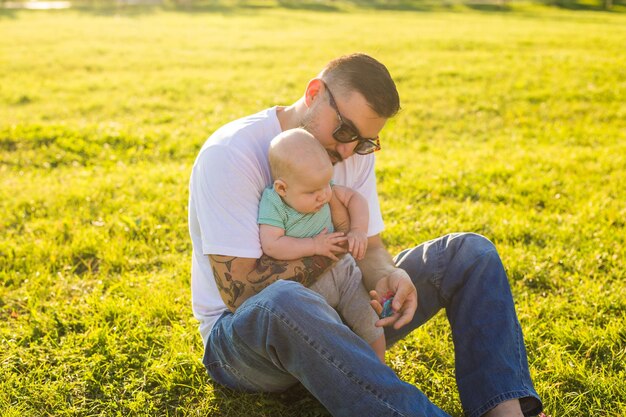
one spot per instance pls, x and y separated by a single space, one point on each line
513 125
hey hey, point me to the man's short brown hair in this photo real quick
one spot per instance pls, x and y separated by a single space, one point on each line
362 73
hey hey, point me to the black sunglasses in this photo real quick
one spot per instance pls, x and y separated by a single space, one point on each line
346 133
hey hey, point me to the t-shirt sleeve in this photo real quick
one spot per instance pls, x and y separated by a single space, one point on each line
225 189
270 210
365 184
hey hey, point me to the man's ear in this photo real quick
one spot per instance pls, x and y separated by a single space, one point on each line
280 187
312 91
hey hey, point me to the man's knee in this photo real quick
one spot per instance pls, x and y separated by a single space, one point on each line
289 298
281 289
284 289
472 245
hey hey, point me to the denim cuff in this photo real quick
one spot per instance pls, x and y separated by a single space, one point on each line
530 402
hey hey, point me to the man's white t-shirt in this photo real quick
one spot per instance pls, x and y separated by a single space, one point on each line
227 181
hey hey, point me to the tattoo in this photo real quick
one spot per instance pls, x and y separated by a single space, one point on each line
266 268
311 269
303 276
266 271
232 288
219 259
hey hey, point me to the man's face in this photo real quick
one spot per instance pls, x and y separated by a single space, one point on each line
354 110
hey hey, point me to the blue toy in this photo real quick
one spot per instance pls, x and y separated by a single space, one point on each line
387 310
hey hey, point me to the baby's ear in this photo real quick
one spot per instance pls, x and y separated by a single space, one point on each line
280 187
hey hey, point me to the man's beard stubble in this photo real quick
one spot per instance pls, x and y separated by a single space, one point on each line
310 126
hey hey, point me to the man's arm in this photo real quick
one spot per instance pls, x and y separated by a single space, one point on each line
240 278
380 277
376 264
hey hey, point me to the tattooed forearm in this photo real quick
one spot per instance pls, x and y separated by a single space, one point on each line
240 278
312 268
304 271
266 268
230 289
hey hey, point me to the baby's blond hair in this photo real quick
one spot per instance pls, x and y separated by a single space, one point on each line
294 150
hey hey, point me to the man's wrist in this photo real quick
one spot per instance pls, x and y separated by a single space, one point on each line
376 265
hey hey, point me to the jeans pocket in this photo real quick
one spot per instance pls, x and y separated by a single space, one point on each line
227 376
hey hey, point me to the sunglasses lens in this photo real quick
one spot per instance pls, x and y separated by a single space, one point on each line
363 148
344 134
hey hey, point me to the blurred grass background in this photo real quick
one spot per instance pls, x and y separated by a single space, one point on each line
513 125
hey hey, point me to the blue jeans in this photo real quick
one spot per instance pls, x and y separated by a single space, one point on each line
288 334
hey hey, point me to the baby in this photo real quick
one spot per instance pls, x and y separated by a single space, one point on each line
295 221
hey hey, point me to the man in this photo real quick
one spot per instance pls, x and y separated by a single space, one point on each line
265 331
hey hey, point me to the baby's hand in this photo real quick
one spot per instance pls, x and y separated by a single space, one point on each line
357 244
328 244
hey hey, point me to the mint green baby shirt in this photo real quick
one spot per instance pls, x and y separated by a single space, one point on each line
275 212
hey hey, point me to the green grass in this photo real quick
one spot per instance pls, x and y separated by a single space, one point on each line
513 125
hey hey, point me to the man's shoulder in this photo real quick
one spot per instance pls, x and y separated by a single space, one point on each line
245 139
258 126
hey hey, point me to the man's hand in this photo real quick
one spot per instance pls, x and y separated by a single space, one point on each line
329 244
357 243
404 302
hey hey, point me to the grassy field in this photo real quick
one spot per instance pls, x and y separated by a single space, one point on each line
513 126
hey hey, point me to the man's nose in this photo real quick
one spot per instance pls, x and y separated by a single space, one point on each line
346 150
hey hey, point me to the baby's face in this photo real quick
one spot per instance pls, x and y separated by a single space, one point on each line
309 189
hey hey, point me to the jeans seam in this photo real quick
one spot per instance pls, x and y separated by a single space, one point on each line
519 353
299 332
438 275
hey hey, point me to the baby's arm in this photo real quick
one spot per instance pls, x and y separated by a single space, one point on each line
340 216
278 246
345 198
